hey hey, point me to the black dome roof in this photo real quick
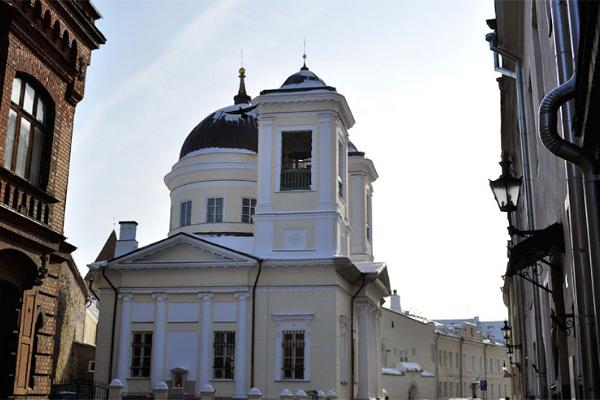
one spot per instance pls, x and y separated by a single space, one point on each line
304 77
224 130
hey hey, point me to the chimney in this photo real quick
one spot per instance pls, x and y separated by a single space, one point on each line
126 242
395 302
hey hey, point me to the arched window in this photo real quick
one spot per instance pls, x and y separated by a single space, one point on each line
29 131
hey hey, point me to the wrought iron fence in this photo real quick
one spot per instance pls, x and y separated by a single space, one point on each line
79 390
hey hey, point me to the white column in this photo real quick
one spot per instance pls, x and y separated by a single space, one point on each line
159 338
124 338
372 352
205 332
241 347
363 352
378 353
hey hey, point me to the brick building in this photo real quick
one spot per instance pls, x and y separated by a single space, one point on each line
45 47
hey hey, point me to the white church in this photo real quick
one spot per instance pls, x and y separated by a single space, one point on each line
266 278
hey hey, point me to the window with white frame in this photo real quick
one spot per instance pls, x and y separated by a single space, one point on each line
141 354
223 354
292 352
248 207
341 168
185 213
296 154
292 346
214 210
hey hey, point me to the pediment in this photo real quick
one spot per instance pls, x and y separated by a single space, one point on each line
182 250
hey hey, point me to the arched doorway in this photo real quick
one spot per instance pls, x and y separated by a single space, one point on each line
413 392
16 275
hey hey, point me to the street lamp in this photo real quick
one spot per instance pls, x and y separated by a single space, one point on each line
506 188
506 331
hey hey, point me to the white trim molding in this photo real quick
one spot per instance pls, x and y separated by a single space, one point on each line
288 322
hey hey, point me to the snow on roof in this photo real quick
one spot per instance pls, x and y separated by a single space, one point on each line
370 267
243 244
223 112
391 371
409 366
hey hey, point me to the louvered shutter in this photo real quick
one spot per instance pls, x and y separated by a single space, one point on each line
25 343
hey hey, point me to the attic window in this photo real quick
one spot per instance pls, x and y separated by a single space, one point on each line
296 149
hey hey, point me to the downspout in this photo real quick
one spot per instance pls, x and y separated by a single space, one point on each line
112 335
437 363
254 323
364 283
460 354
516 75
584 300
576 155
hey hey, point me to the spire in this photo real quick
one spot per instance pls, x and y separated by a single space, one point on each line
304 67
242 97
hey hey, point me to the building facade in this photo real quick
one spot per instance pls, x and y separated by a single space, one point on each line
551 285
426 359
45 49
267 277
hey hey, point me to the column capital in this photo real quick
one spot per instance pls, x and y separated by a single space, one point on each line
242 296
206 296
159 297
125 297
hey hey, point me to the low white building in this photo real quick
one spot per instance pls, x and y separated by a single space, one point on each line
268 266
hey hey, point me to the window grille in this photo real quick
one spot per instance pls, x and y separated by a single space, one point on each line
296 149
214 212
248 207
141 354
223 354
185 217
293 355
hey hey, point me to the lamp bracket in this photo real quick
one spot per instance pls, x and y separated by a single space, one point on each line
533 282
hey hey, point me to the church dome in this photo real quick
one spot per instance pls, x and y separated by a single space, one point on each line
233 127
303 78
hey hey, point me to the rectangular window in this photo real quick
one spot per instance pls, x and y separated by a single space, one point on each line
248 206
451 359
296 153
457 360
185 216
141 353
214 210
369 216
223 354
293 355
341 169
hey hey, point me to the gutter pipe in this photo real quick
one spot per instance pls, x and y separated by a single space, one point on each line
517 76
583 296
364 283
252 334
114 318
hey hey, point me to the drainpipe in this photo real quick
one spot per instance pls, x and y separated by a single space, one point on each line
516 75
114 318
591 180
437 363
363 284
252 338
460 353
584 300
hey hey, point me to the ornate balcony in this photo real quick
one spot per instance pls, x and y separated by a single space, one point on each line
22 197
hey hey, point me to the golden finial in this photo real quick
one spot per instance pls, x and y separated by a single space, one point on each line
304 67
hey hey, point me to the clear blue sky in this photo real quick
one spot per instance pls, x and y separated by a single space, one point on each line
418 76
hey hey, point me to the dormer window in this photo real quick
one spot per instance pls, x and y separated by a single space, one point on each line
296 153
29 132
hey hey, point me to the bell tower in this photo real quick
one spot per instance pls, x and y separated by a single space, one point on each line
302 193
